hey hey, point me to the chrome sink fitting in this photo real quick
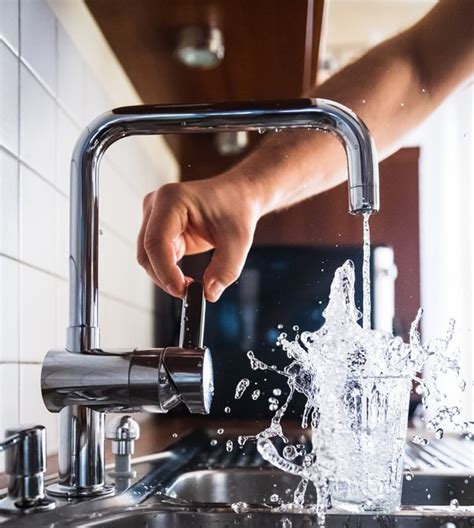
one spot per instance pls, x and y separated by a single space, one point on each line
83 382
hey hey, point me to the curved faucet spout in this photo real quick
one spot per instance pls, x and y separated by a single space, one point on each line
320 114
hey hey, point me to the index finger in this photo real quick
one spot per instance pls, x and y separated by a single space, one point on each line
164 246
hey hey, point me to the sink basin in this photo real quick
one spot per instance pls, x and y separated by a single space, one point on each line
255 486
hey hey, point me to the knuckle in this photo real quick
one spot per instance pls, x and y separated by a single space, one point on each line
147 200
141 258
228 276
169 192
151 243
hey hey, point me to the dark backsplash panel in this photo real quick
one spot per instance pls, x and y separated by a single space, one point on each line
279 286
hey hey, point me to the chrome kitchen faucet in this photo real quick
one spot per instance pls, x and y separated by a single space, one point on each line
84 382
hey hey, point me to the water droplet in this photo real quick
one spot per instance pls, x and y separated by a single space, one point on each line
276 392
290 452
213 442
227 410
439 433
229 445
419 440
255 394
239 507
241 388
261 130
175 435
220 431
274 497
279 326
363 101
402 104
454 503
241 440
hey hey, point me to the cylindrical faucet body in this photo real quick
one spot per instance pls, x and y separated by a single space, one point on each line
154 380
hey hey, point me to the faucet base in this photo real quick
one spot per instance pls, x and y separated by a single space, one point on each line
11 506
69 492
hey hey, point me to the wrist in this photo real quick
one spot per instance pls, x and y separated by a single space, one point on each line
251 187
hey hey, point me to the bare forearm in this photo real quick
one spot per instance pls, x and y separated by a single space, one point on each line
393 88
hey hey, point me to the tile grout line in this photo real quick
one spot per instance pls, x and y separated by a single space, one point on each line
139 307
19 339
7 362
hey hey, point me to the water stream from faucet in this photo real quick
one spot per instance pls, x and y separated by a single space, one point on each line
366 291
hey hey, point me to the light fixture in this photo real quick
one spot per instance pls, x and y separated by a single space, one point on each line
200 47
231 142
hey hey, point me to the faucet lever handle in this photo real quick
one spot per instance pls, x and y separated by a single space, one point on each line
193 315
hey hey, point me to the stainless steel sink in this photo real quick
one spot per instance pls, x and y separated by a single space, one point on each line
194 485
254 486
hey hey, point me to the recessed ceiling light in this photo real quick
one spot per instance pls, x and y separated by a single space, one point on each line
200 47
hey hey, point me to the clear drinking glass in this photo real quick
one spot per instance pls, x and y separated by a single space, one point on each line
370 429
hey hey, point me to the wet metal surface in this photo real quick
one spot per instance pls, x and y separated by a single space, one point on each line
194 485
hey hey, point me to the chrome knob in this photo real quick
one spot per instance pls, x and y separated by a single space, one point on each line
123 431
25 465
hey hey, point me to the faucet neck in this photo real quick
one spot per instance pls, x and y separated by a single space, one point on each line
83 332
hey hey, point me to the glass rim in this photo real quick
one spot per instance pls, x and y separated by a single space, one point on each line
380 377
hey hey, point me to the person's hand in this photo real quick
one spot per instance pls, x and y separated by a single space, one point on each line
192 217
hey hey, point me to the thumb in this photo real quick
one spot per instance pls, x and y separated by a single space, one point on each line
226 263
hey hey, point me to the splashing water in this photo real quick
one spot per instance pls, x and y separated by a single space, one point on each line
356 382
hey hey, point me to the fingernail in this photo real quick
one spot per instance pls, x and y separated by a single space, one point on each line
172 289
215 290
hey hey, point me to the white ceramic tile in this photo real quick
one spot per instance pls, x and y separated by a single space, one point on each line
37 125
9 310
123 326
62 312
9 403
8 98
9 22
37 313
8 204
113 256
38 221
71 81
67 134
96 100
120 275
121 206
32 408
62 262
38 39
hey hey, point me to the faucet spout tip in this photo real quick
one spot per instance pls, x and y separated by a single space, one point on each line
364 199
